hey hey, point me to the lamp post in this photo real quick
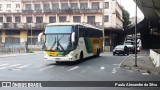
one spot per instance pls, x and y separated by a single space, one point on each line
31 27
103 26
31 35
135 36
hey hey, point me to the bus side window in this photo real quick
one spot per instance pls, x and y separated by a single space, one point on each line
81 31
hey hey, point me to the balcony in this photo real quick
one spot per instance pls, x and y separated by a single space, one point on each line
77 11
27 11
24 26
96 24
63 11
42 0
35 0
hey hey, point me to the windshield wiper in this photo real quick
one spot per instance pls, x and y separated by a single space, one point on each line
58 44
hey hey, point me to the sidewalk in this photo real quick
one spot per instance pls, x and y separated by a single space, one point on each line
144 65
19 54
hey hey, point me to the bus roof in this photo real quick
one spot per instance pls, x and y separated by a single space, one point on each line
72 23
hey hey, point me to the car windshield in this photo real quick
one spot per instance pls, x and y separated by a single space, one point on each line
129 43
120 46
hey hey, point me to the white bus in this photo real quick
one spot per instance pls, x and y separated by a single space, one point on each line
71 41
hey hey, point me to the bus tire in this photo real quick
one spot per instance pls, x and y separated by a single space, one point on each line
81 56
58 62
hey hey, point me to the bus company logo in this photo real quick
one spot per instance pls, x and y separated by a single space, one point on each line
6 84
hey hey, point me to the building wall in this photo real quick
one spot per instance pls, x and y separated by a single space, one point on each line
113 19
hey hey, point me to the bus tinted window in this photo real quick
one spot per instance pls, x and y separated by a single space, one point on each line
89 32
58 29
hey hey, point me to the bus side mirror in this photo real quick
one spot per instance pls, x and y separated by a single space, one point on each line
73 37
40 37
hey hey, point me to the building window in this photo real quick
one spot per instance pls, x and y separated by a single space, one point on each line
64 6
52 19
91 20
62 18
37 7
29 19
18 11
106 18
1 19
9 19
12 40
39 19
28 6
83 5
17 5
76 18
12 32
8 5
8 10
95 5
74 5
55 6
46 6
106 5
17 19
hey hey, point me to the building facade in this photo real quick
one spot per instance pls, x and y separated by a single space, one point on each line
23 20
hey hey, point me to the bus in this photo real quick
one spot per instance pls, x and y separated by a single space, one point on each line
71 41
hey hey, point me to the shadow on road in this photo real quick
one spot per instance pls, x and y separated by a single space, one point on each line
72 63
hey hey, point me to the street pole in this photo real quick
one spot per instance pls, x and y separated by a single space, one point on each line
135 35
103 27
31 35
31 27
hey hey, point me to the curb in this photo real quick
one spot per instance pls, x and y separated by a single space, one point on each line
13 55
121 64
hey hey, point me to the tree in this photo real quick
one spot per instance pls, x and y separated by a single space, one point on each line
126 21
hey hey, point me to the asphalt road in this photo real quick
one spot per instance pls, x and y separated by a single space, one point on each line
32 67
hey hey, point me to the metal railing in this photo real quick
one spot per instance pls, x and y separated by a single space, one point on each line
62 11
6 49
39 26
22 25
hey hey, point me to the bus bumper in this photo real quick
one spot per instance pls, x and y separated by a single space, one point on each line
50 58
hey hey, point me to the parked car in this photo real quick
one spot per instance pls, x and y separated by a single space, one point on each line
121 49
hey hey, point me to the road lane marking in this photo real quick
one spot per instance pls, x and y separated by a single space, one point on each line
24 66
129 70
123 61
116 64
38 66
145 73
73 68
4 64
46 68
102 68
10 66
114 70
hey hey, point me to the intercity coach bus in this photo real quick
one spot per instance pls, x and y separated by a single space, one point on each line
71 41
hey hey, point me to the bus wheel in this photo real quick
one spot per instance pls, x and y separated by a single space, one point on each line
81 56
58 62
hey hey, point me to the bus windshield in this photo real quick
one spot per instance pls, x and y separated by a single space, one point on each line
58 42
58 38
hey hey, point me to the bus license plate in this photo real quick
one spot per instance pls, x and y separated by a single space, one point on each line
57 58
